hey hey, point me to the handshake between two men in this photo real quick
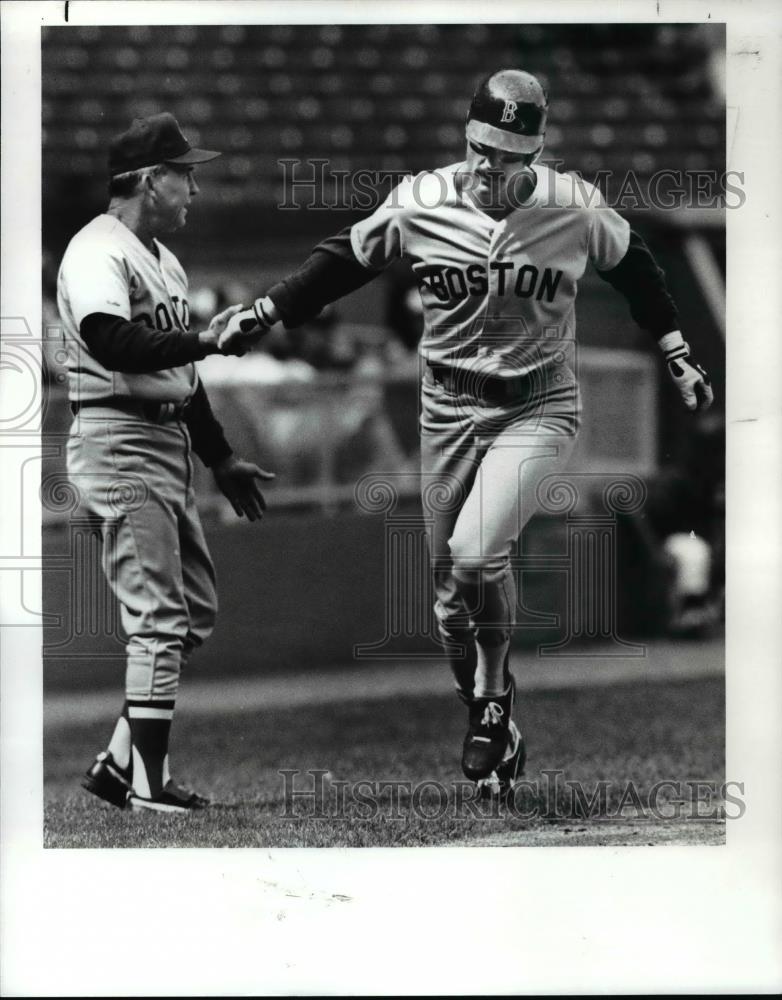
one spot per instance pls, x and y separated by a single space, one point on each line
236 329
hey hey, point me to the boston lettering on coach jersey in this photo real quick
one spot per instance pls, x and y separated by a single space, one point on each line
107 269
515 278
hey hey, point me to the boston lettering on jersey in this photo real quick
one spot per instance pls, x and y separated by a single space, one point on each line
163 320
451 284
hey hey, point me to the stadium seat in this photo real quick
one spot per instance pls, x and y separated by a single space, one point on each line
117 83
73 58
239 166
450 137
233 34
271 57
140 107
87 34
342 137
331 34
395 137
382 83
85 138
411 109
644 162
709 136
279 34
291 139
281 83
335 83
195 110
377 34
250 109
322 57
240 138
655 135
228 83
434 83
602 135
184 34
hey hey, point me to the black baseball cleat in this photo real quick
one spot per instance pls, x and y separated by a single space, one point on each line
511 767
502 780
465 697
487 736
173 799
108 780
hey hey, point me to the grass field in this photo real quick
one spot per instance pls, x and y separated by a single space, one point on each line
627 736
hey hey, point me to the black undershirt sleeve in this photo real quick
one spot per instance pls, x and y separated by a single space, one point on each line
329 273
122 345
642 282
206 431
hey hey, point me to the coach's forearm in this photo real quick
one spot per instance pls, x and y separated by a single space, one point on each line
121 345
206 432
329 273
642 282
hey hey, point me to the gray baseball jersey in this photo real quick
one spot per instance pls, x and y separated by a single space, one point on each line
491 288
107 269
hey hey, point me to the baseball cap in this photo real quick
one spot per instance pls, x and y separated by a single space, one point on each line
508 111
156 139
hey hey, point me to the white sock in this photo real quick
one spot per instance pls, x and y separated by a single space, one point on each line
490 681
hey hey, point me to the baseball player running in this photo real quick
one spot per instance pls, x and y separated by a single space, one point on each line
139 408
498 244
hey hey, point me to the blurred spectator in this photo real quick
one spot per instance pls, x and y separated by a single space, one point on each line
691 558
686 510
404 312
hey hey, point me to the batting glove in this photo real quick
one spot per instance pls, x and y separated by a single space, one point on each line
246 328
690 379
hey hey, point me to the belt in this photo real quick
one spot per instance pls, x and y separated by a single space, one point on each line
147 409
492 389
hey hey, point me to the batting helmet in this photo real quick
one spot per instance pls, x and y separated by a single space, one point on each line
508 111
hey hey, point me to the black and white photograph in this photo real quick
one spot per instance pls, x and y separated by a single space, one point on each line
501 369
373 484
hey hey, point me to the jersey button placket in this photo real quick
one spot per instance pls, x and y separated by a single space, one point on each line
496 279
498 275
479 243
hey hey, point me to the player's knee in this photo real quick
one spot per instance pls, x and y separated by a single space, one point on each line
202 623
469 564
162 627
449 608
453 624
198 635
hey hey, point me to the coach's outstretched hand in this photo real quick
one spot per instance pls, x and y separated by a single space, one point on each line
246 327
210 337
690 379
238 481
